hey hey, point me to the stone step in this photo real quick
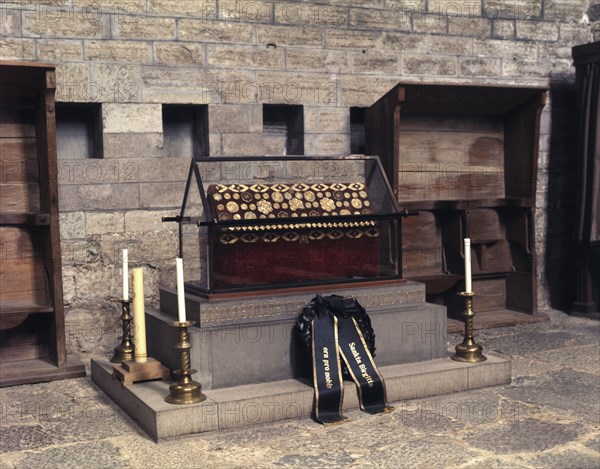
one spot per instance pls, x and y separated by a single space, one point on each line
253 404
229 354
287 305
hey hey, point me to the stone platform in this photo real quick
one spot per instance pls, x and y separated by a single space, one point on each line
244 354
253 404
250 340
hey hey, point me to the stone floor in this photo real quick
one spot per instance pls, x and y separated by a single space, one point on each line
549 417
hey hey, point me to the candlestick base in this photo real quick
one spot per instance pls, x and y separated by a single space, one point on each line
124 351
468 351
185 390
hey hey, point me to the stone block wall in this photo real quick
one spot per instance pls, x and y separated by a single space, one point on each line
133 56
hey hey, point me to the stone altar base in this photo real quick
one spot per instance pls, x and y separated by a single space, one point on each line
244 352
250 340
253 404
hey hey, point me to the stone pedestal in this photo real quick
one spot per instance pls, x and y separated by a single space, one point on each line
251 340
244 351
253 404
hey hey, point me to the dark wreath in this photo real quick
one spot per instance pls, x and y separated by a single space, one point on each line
340 306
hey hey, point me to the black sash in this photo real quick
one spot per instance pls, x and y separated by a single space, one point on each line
334 337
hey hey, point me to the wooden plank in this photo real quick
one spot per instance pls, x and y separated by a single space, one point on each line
23 238
130 372
452 148
485 224
21 299
490 294
46 125
41 219
18 352
521 292
432 123
19 198
491 257
16 121
17 64
18 161
42 369
449 186
22 276
17 148
7 308
522 144
381 123
421 245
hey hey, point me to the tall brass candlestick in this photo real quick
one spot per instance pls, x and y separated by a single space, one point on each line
124 351
184 390
469 351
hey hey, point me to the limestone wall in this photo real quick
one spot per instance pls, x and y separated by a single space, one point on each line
134 55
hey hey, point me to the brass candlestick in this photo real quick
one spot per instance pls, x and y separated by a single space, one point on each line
469 351
184 390
124 351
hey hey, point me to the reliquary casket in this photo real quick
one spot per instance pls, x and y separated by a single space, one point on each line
255 223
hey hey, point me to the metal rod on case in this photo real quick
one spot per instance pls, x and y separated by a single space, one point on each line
177 219
408 213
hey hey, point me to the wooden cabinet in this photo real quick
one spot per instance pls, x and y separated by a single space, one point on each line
465 157
32 329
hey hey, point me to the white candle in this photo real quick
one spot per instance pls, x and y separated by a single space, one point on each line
125 275
468 279
180 290
139 317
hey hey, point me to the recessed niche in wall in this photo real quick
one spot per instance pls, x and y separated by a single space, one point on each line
357 130
283 129
185 130
79 130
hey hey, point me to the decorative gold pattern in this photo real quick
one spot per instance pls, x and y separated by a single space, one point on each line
327 204
296 204
264 207
233 207
280 201
293 236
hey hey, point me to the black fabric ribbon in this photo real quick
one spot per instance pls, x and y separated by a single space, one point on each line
334 337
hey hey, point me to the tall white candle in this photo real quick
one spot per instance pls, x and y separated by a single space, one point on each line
468 279
180 290
125 275
139 317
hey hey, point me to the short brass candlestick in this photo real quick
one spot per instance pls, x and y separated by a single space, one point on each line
124 351
184 390
469 351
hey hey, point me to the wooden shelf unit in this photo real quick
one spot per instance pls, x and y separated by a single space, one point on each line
465 157
32 329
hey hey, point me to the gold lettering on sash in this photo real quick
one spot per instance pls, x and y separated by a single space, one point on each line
355 353
328 380
361 366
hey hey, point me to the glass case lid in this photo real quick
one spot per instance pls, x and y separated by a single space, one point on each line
244 191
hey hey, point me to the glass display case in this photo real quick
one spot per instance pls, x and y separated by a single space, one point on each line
257 223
